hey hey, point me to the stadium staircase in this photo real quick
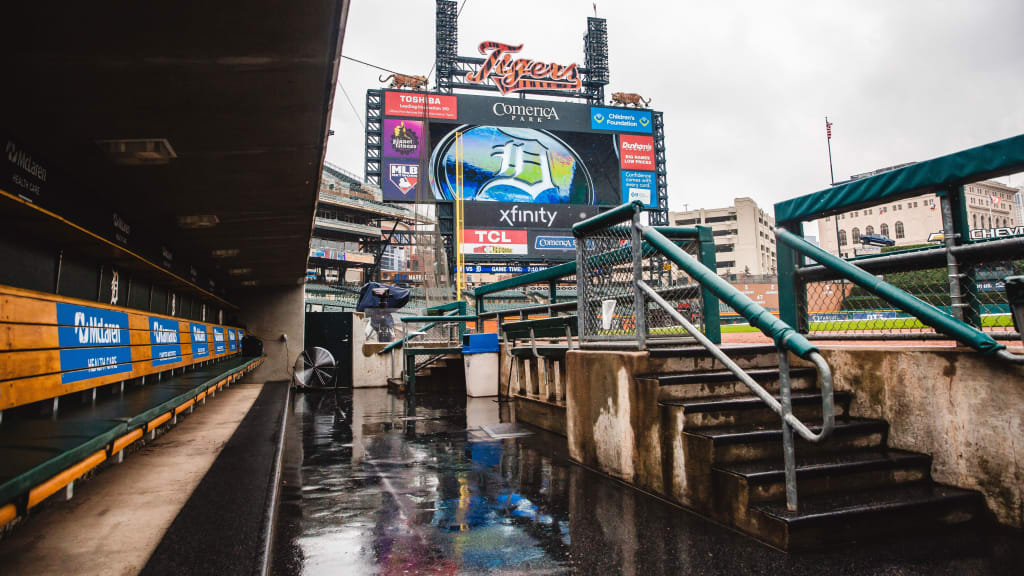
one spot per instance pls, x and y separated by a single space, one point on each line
853 486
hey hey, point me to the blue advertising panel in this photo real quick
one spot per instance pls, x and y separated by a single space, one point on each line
200 347
232 346
639 186
94 342
620 120
164 340
84 326
218 340
503 269
547 243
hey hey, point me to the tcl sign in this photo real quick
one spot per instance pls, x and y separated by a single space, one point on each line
494 241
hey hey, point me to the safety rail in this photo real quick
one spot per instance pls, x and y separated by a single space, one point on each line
611 257
960 275
926 313
645 239
453 317
444 310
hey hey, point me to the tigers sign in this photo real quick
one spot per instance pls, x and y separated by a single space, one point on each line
513 74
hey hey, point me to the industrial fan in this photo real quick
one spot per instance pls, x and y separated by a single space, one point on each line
315 368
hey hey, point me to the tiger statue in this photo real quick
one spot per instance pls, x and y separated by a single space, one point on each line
627 98
404 80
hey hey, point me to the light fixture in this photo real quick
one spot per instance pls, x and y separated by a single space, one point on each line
198 221
224 253
138 151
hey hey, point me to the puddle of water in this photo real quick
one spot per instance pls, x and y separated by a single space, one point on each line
365 492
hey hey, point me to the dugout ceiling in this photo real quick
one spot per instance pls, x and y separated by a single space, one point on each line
242 92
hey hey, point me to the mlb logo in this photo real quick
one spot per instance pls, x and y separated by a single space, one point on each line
404 176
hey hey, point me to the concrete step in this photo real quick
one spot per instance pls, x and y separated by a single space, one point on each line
711 411
866 515
696 358
832 472
705 383
757 441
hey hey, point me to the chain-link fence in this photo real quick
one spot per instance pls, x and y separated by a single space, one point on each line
903 243
681 291
606 271
611 304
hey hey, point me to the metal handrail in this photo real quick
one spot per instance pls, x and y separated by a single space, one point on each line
786 340
417 334
923 311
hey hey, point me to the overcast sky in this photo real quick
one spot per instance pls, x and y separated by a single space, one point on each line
745 86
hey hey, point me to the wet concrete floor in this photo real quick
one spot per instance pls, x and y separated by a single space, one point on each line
369 491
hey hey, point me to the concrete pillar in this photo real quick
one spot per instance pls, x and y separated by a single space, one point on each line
69 490
551 391
174 420
152 434
122 386
562 380
93 396
521 373
119 457
534 376
56 405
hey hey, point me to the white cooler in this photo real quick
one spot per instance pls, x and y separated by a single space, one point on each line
480 358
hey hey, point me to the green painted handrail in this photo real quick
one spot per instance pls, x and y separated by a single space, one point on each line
923 311
553 273
971 165
408 337
783 334
439 319
606 219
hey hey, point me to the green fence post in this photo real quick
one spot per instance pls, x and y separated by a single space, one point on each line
552 291
969 280
792 294
712 317
479 299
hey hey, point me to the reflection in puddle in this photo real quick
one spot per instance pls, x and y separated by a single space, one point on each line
366 492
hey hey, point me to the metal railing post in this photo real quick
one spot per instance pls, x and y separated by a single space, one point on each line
950 237
710 312
788 442
581 288
792 294
639 300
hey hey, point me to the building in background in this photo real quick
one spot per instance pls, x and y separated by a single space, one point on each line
918 220
744 237
352 227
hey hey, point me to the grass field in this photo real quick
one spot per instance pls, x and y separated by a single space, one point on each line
991 321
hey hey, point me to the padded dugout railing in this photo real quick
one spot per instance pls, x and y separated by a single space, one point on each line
53 346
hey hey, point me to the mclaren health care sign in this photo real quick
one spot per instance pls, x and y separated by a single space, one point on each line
94 342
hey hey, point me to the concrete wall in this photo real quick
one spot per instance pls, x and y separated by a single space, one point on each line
964 410
370 369
267 313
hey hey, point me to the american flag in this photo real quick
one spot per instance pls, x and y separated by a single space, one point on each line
828 129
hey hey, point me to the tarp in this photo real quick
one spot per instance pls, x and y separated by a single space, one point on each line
971 165
369 296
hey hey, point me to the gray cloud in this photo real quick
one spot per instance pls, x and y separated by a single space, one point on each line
745 86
